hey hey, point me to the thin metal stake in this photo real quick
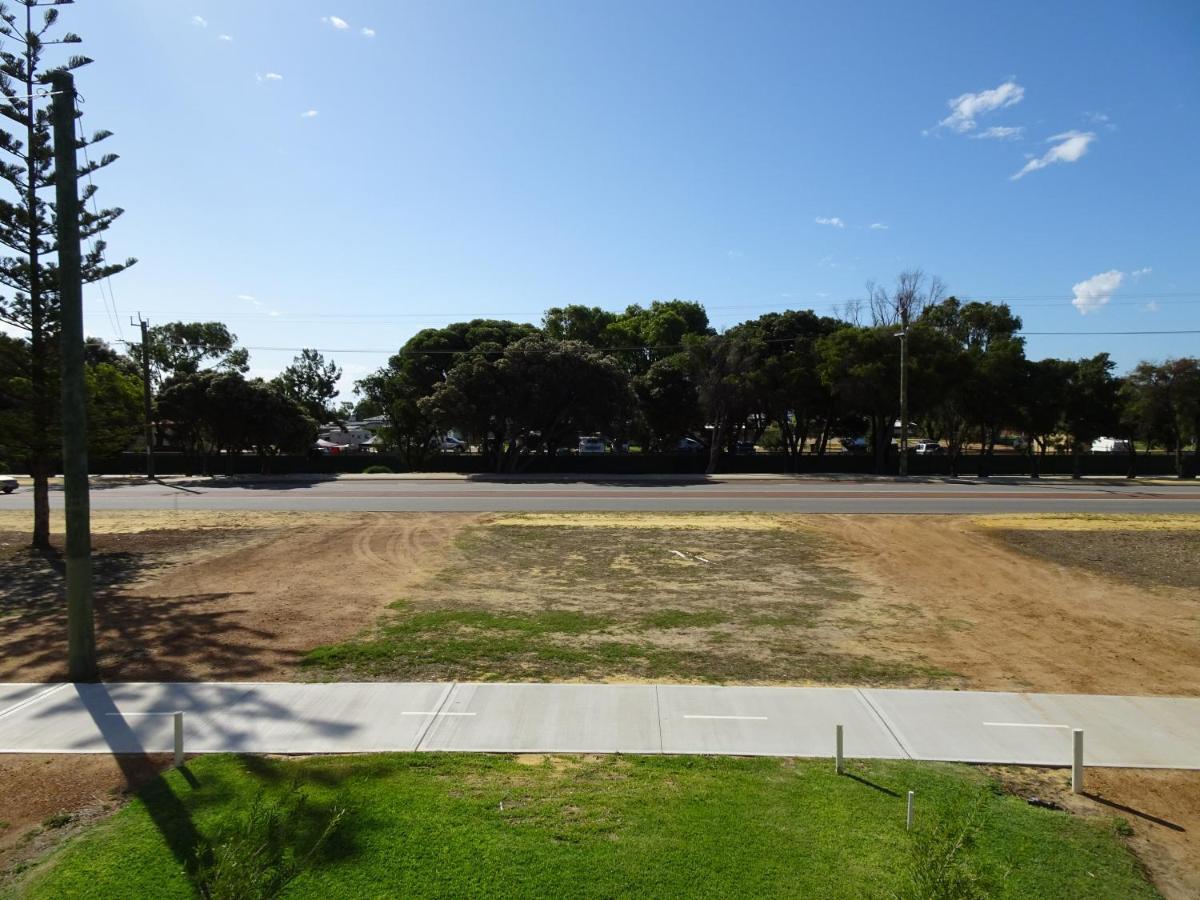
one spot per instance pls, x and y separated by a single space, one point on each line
178 740
1077 761
839 764
909 817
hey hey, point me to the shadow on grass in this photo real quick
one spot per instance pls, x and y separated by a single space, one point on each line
872 784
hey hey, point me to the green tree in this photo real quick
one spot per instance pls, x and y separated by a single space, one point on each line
994 368
861 368
1042 406
723 367
178 349
114 409
311 382
1161 402
668 403
27 230
1091 407
788 385
114 402
420 366
538 395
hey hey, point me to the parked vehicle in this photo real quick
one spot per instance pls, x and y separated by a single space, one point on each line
451 444
744 448
856 446
592 445
928 448
689 445
8 484
1110 445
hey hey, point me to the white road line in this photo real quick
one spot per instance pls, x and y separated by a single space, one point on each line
129 715
34 699
740 718
1023 725
437 714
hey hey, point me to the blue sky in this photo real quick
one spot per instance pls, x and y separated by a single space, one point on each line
495 159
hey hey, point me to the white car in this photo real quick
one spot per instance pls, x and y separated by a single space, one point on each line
8 484
589 446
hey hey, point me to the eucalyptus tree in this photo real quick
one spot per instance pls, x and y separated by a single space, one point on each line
28 271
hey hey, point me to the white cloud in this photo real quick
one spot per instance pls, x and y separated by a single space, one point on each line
339 24
309 114
965 108
1138 273
245 297
368 32
1001 133
834 221
735 254
877 226
1152 306
225 37
274 312
200 21
270 76
1070 148
1094 293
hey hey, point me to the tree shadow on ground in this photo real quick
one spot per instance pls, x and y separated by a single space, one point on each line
142 637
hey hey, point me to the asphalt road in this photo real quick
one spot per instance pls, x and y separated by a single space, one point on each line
965 726
809 495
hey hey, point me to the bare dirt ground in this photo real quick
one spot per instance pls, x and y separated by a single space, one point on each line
1160 807
1047 603
46 799
235 598
964 599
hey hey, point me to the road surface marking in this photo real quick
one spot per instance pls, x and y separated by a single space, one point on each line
1023 725
36 697
126 715
437 714
745 718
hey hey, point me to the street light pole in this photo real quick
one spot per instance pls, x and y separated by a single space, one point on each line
903 462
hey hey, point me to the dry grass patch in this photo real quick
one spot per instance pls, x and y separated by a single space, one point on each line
1090 522
694 598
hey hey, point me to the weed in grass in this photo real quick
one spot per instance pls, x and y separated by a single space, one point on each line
1122 827
259 853
58 820
678 618
939 866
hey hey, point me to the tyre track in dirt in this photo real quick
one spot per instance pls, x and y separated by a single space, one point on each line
252 609
963 600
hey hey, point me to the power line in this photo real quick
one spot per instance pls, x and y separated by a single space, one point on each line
111 299
662 348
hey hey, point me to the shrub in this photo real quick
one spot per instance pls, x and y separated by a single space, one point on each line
938 866
377 470
258 855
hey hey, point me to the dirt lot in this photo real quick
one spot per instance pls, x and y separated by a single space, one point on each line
1048 603
1039 603
232 597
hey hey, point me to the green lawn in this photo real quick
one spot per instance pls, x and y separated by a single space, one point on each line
422 825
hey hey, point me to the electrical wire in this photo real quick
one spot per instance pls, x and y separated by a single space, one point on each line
663 348
111 299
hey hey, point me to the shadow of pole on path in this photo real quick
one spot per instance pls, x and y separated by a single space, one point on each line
168 813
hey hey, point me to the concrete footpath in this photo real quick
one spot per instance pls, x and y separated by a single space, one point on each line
962 726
